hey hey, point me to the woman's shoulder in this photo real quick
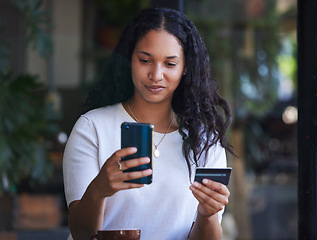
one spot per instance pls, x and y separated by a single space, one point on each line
103 112
104 115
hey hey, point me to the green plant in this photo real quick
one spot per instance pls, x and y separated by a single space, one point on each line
37 26
24 122
25 119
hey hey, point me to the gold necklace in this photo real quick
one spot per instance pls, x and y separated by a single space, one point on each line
156 151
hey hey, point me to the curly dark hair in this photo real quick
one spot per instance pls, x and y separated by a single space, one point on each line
203 116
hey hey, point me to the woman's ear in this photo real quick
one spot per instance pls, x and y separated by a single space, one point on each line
185 70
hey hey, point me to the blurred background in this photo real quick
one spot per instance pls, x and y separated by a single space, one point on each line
51 54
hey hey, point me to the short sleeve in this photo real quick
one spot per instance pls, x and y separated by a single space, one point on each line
216 157
80 161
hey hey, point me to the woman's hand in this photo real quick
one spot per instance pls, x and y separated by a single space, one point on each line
111 177
212 197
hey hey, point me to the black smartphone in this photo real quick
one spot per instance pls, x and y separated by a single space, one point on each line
221 175
139 135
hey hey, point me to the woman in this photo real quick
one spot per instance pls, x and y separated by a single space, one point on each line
159 74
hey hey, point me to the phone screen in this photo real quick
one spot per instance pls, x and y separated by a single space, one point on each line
139 135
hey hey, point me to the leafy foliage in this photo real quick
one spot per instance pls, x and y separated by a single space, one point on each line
23 123
38 25
25 120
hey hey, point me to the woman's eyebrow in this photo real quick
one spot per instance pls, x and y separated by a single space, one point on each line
145 53
171 57
150 55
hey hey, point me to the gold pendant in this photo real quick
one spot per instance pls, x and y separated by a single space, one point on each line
156 153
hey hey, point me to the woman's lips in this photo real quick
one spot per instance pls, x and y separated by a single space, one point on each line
154 88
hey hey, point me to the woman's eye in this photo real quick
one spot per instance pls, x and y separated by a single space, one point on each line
171 64
144 60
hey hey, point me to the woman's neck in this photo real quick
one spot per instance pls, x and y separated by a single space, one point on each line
158 114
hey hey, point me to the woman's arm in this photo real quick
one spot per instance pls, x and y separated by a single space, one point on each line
206 228
87 214
212 197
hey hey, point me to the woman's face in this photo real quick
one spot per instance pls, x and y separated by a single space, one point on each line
157 66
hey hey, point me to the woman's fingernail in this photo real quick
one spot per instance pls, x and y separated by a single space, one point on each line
205 181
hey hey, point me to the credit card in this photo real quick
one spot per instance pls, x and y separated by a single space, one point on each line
221 175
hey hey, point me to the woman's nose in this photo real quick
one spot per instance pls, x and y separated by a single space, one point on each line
156 73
